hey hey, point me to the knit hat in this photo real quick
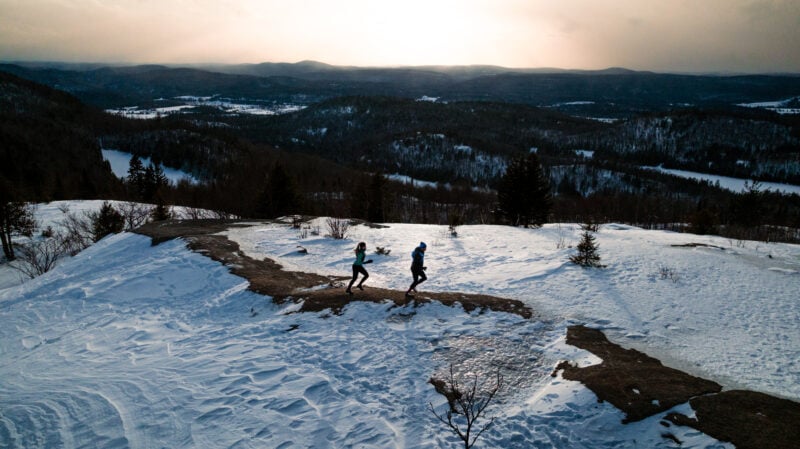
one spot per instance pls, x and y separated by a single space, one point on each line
422 245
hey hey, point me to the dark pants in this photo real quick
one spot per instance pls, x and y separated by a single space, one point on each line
358 269
419 277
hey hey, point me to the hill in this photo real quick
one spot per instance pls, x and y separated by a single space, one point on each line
48 151
605 93
130 344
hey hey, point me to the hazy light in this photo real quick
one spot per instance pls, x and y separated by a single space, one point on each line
664 35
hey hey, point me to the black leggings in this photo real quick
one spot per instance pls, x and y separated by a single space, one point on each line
358 269
419 277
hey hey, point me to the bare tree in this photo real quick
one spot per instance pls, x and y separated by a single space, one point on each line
466 406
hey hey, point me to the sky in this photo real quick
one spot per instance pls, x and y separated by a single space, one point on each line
661 35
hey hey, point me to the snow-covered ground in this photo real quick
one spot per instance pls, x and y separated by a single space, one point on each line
130 345
733 184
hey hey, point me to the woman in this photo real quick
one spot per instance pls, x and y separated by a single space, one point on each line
358 267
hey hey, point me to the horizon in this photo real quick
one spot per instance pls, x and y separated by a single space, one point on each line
531 70
713 36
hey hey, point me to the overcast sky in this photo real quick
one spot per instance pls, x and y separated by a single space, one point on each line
659 35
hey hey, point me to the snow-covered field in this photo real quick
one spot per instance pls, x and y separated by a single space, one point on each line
130 345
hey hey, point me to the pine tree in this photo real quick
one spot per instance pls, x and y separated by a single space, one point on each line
375 206
161 212
136 176
587 255
524 193
280 194
107 221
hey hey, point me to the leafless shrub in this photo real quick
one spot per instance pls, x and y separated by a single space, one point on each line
38 256
590 226
561 242
382 250
135 214
337 228
304 232
467 404
77 233
297 221
668 273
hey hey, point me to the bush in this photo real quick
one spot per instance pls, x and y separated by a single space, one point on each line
337 228
36 257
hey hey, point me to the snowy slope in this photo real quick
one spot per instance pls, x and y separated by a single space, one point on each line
129 345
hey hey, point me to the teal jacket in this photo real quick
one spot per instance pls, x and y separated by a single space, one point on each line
360 255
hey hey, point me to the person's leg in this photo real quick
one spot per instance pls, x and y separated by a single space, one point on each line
363 271
413 284
422 277
355 275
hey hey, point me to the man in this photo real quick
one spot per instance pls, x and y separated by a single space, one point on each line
417 268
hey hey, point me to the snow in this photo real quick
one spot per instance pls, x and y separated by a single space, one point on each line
733 184
120 162
131 345
404 179
781 106
226 105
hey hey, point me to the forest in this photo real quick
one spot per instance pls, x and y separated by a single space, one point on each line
334 156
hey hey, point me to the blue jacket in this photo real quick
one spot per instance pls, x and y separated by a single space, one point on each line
417 259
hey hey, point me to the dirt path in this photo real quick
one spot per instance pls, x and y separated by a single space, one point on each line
316 292
635 383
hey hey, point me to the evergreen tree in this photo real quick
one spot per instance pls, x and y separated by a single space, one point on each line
154 181
107 221
375 202
587 255
161 212
136 178
524 193
749 206
280 195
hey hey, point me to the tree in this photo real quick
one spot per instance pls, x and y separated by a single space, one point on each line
161 212
523 193
16 218
107 221
154 181
749 206
280 194
375 198
136 179
587 255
